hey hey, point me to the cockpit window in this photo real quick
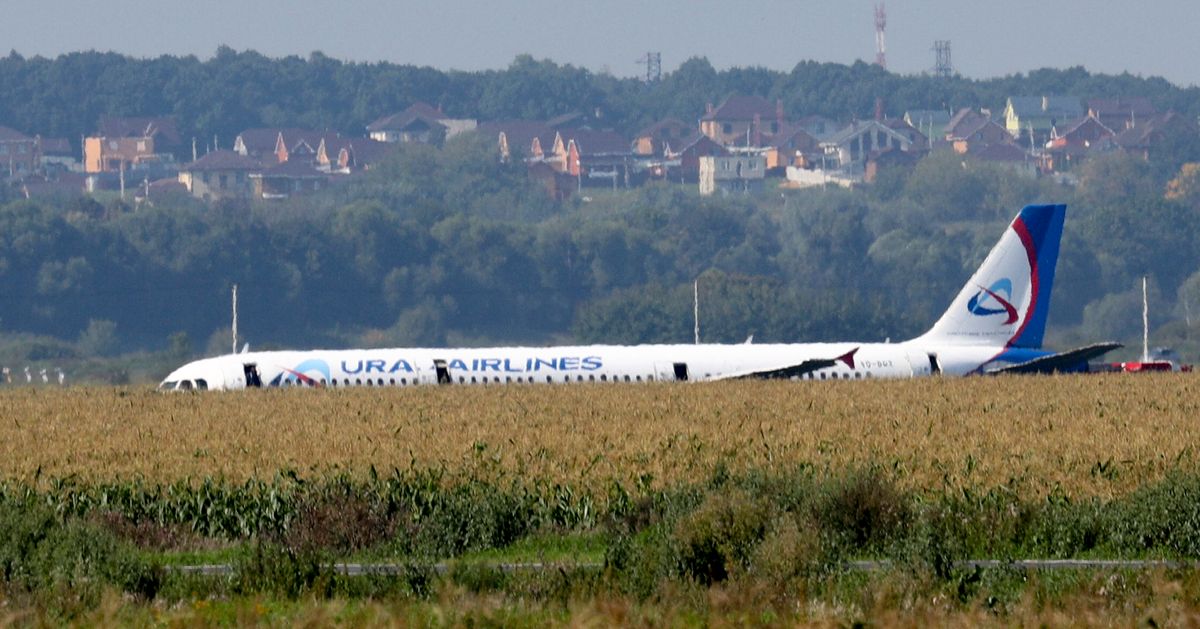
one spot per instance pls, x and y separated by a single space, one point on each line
185 385
202 384
167 385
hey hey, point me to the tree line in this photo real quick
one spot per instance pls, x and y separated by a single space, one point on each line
232 91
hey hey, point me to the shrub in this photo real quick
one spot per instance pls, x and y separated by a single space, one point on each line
720 536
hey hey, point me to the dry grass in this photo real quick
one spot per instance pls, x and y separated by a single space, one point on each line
1097 435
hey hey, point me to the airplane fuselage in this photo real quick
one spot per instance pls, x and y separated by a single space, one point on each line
570 364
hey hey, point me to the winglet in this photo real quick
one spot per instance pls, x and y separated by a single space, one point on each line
848 358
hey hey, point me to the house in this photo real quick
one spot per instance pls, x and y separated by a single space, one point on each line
347 155
526 139
930 122
1119 113
974 131
742 120
123 143
57 155
916 139
590 155
1036 116
849 148
683 156
652 140
818 126
1143 136
418 123
273 145
286 179
220 175
792 146
743 172
1076 142
18 153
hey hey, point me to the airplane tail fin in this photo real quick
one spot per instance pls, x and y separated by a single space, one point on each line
1006 301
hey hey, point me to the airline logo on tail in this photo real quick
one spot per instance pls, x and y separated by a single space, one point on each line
988 301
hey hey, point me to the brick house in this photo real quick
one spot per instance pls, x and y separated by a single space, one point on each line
125 143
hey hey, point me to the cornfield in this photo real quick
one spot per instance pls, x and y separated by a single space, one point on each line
1079 436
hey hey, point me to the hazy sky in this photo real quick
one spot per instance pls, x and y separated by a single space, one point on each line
988 38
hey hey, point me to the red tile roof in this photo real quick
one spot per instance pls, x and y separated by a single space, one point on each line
590 142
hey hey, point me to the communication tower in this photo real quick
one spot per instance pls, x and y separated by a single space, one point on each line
880 44
942 67
653 63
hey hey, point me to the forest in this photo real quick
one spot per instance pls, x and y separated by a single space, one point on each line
447 245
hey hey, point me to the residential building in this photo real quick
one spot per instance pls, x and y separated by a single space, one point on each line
57 155
592 156
683 157
418 123
742 120
743 172
652 140
272 145
974 131
286 180
930 122
1119 113
1076 142
1037 116
849 148
792 146
525 139
220 175
18 153
347 155
123 143
1143 136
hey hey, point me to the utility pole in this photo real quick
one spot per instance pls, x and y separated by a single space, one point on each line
880 43
234 319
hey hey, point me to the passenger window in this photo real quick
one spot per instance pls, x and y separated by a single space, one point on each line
473 380
185 385
201 384
549 379
603 378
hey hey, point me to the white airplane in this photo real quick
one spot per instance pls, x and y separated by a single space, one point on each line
995 325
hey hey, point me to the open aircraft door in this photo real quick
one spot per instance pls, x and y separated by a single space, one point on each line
666 372
923 364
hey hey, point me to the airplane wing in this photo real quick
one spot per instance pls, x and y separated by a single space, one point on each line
1061 361
796 370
